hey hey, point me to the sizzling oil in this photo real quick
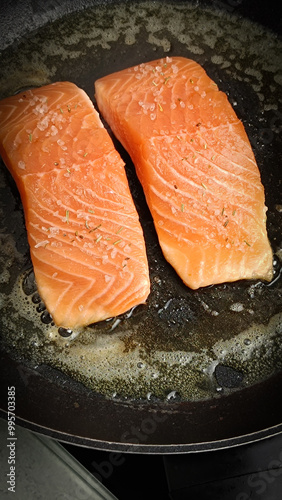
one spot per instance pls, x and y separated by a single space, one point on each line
175 345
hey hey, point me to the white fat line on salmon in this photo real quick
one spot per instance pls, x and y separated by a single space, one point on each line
86 288
186 195
108 256
95 297
115 292
187 240
46 225
126 252
131 292
217 155
226 186
235 174
232 152
93 202
207 230
57 97
179 208
70 309
60 250
60 280
158 171
71 212
92 194
20 116
185 137
117 193
201 264
226 173
176 222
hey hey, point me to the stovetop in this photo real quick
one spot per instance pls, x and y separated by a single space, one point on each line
46 469
252 471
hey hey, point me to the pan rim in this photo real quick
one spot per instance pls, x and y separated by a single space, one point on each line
155 449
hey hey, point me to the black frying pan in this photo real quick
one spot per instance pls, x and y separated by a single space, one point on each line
197 370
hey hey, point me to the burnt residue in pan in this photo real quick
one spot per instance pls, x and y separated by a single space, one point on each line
182 344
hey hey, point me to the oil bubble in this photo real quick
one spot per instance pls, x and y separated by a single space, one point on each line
36 299
41 307
64 332
46 317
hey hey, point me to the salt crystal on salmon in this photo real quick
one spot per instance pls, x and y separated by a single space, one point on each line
197 168
85 238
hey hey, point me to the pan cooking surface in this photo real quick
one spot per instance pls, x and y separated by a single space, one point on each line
183 345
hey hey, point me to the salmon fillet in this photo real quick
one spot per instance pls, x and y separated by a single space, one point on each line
85 238
196 166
